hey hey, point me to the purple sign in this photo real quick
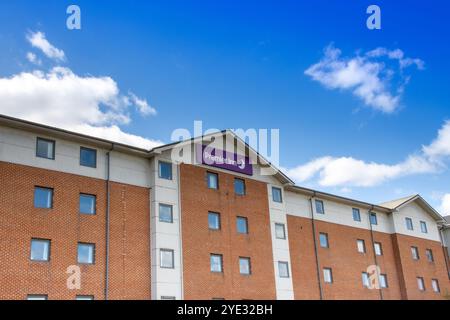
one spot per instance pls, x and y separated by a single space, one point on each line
223 159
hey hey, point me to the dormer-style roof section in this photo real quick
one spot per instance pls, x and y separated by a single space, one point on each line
396 205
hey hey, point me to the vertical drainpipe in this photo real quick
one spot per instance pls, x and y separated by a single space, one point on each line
180 231
444 251
108 173
374 253
315 246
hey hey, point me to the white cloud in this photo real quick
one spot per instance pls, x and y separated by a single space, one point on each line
39 41
444 208
366 77
85 104
440 147
31 57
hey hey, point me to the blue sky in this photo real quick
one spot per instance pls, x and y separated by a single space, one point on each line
241 64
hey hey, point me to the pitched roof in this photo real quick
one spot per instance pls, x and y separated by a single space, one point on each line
396 205
393 204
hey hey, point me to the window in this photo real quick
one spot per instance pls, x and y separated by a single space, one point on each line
423 227
43 198
45 148
373 218
356 214
242 225
277 195
166 259
86 253
365 280
239 186
87 203
244 266
327 275
429 254
409 224
378 248
37 297
167 298
280 232
383 281
283 269
435 285
323 240
420 284
165 170
319 207
415 253
218 299
361 245
40 250
213 180
214 220
88 157
216 263
79 297
165 213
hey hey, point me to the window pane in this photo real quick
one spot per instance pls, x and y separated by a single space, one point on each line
361 246
280 231
415 253
283 269
40 250
165 170
213 180
87 204
327 276
43 198
383 281
37 297
165 213
214 221
420 284
244 265
365 279
88 157
276 195
45 148
373 218
429 253
167 259
435 285
323 239
409 224
216 263
84 298
239 186
86 253
378 249
356 215
423 227
319 207
241 224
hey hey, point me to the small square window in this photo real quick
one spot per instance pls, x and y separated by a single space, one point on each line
283 269
356 215
420 284
165 170
280 232
361 245
216 263
80 297
415 253
214 220
373 218
319 207
87 203
429 254
37 297
40 250
435 285
383 281
423 227
327 275
213 180
242 225
365 280
277 195
409 224
165 213
167 258
239 187
244 266
86 253
378 248
43 198
88 157
45 148
323 239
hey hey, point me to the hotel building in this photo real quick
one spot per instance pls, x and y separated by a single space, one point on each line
129 223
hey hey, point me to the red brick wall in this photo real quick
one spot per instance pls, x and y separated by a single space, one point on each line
199 241
342 256
20 221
